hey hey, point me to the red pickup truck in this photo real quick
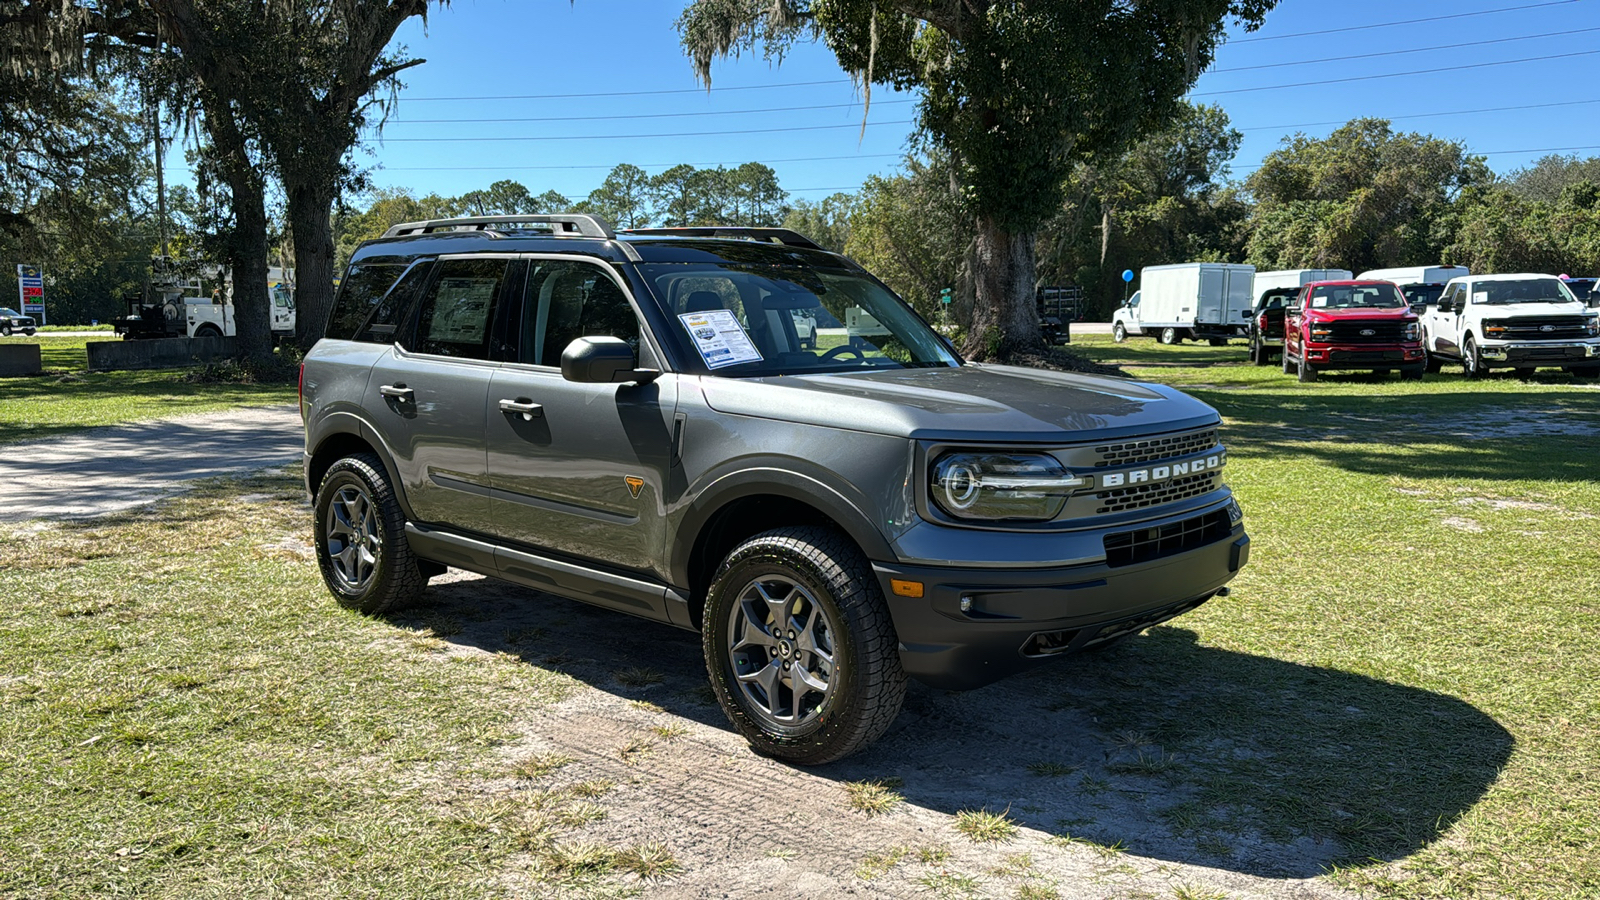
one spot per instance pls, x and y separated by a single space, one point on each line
1352 325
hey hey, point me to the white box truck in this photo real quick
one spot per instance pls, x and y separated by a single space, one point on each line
1422 285
1189 300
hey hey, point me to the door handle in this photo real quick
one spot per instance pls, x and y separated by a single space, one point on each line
528 409
397 392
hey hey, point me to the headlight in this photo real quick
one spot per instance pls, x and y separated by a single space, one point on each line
1412 332
1592 324
992 486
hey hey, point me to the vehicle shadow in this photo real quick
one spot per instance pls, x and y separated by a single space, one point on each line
1162 746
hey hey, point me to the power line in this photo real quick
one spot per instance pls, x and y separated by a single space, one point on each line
1432 115
1453 46
613 137
725 162
748 87
727 112
1481 153
1485 65
1481 12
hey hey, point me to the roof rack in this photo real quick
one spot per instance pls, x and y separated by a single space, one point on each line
580 224
766 235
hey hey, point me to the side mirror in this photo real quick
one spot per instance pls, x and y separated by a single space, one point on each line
1245 315
602 360
1444 304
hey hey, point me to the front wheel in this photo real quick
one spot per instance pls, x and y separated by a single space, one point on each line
1471 363
1306 373
1433 365
5 331
1412 373
1217 342
799 646
1585 371
1118 333
360 530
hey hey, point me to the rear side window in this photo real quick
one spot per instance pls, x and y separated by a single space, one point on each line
361 290
457 315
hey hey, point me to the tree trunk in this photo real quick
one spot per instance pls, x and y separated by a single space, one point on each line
251 307
310 217
1004 317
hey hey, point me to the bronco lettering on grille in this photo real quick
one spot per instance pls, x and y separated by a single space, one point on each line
1154 474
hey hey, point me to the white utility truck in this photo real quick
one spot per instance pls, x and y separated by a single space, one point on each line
214 317
1422 285
1189 300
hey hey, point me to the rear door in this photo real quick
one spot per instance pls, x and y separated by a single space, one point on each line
586 472
1213 293
426 397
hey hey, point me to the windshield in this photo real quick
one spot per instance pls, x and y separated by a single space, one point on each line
1522 290
1423 294
745 319
1353 296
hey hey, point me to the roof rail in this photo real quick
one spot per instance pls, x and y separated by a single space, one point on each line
766 235
580 224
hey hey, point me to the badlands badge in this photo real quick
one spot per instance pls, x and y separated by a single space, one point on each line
635 484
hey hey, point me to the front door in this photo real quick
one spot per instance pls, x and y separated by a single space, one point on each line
429 393
1444 326
579 470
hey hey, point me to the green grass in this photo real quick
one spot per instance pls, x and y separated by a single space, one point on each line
49 328
67 398
875 796
1409 663
184 712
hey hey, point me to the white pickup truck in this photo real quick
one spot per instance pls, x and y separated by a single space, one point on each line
1512 321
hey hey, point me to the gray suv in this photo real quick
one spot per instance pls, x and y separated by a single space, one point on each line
640 420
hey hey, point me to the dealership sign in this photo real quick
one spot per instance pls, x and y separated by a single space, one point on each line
30 290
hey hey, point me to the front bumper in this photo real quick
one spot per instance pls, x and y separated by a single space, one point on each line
1548 353
1364 356
975 626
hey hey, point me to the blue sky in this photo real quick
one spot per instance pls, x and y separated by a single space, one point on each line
504 59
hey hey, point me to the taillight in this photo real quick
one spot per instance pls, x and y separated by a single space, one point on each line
1261 322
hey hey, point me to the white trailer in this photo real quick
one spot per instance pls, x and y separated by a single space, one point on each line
1189 300
1422 285
1295 278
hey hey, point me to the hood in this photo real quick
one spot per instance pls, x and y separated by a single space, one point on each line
1371 314
1516 310
970 403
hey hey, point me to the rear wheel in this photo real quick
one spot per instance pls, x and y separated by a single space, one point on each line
800 648
360 530
1119 333
1170 336
208 331
1217 342
1471 363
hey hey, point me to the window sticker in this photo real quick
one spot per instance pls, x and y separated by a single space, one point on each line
719 338
1317 301
1480 296
461 310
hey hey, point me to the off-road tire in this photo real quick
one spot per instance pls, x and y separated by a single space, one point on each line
1119 333
396 580
1471 362
867 683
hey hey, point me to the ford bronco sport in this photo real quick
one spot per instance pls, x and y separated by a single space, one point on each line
634 420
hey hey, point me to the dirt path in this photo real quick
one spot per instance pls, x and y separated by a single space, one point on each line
106 470
741 826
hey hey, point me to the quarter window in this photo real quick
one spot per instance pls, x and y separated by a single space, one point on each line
457 314
362 288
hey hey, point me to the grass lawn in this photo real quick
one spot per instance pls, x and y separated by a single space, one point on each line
184 714
1409 668
68 398
1426 554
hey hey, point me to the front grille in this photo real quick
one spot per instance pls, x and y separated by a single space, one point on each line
1352 333
1151 449
1126 548
1532 328
1143 495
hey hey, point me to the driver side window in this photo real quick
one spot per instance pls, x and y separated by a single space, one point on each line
569 300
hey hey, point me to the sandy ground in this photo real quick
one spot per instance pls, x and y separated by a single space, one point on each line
105 470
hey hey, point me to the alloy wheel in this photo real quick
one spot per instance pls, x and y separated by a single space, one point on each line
354 540
782 648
